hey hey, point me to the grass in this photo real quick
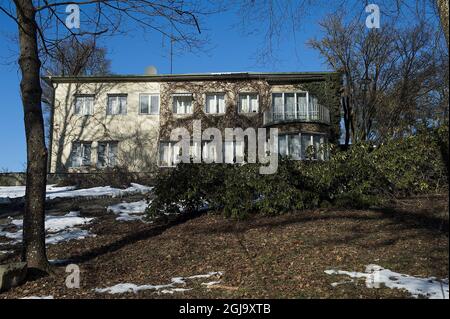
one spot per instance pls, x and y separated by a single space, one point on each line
261 257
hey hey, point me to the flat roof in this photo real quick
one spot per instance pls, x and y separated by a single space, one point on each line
274 76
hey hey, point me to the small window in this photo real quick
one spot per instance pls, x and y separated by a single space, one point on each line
84 104
107 154
182 103
215 103
117 105
248 103
149 104
80 154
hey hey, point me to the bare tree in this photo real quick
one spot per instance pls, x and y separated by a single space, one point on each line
41 29
442 6
390 78
72 57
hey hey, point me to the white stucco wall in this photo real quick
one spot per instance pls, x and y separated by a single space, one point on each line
136 133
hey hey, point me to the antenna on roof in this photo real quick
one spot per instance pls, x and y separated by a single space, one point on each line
171 50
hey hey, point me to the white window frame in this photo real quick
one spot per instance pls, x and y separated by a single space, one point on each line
80 158
175 108
149 96
248 102
295 103
117 96
84 109
107 156
323 141
216 103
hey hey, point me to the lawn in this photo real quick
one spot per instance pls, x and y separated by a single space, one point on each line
262 257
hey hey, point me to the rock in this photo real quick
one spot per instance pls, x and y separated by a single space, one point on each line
12 275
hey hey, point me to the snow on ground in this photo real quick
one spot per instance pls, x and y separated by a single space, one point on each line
38 297
375 276
211 283
7 192
58 228
129 211
19 191
165 289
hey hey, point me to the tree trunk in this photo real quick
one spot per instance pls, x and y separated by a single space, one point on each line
33 252
442 6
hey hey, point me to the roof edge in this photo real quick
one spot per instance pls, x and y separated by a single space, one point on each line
277 76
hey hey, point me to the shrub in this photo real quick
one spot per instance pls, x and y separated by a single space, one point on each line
359 177
118 177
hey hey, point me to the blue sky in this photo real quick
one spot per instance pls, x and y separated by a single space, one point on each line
229 51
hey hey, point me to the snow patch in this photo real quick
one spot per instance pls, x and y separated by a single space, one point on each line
375 275
58 228
129 211
52 191
166 289
38 297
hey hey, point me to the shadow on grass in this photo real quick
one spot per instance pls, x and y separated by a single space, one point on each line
130 239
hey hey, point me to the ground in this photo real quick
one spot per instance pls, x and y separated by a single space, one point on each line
262 257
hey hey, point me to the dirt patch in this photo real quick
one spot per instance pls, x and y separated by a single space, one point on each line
262 257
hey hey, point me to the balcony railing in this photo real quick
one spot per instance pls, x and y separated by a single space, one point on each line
314 113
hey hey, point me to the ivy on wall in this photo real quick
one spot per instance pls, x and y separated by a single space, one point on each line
326 91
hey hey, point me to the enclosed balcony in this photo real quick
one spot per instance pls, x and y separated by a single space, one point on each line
296 107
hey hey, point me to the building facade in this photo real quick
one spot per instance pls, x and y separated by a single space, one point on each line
107 121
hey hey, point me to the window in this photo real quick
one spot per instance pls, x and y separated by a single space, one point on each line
84 104
248 103
117 104
182 103
149 104
80 154
314 108
210 152
233 152
170 154
302 106
107 154
289 105
165 156
215 103
303 146
286 106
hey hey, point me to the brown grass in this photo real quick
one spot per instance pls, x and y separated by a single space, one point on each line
262 257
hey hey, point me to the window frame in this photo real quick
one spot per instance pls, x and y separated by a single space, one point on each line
296 105
323 136
117 96
84 96
107 157
248 94
83 145
149 95
175 95
215 94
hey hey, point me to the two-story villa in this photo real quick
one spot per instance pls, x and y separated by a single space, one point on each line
121 120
